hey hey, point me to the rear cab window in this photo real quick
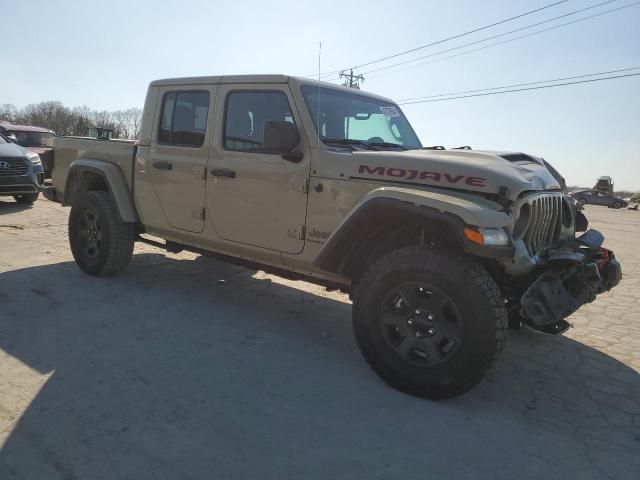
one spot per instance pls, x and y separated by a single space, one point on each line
183 119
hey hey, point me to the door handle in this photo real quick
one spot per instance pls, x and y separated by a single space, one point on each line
223 172
162 165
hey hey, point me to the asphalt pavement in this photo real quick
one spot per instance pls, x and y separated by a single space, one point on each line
187 368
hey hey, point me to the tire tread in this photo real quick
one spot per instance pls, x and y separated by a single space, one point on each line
438 261
121 235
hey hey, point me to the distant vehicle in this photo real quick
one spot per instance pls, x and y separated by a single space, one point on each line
100 133
604 185
35 139
21 173
598 198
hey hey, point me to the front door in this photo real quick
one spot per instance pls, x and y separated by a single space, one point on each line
255 196
178 157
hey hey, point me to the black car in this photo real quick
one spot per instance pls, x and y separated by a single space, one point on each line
21 172
598 198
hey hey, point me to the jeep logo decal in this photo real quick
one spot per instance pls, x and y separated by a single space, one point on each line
406 174
313 233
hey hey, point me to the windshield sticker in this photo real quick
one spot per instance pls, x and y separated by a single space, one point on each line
391 112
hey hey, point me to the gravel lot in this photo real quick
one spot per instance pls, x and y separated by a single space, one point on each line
165 372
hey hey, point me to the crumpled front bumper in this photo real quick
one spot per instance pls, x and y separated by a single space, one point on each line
573 273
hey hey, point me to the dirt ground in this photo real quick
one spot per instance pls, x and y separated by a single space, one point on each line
167 372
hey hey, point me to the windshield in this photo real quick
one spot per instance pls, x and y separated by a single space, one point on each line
2 140
350 118
32 139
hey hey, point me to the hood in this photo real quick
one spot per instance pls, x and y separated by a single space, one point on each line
505 173
12 150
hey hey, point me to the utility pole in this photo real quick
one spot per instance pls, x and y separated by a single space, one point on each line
351 80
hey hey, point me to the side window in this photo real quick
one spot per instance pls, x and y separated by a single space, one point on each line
246 114
183 120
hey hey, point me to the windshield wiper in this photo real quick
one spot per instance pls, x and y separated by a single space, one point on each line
362 143
347 141
386 144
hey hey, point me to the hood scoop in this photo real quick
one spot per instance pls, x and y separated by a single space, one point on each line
519 158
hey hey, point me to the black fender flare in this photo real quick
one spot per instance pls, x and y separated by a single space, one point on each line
332 257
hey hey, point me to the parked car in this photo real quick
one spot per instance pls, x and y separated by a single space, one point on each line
21 172
35 139
439 249
592 197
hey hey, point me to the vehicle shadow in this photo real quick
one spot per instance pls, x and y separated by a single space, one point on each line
7 205
166 371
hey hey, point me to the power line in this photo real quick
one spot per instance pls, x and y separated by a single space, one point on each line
445 39
508 40
460 35
490 38
520 89
518 85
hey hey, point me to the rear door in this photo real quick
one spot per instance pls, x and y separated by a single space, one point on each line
255 196
179 153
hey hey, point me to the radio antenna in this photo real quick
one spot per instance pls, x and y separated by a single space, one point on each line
318 110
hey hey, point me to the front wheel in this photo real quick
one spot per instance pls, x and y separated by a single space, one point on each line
617 205
582 201
429 322
101 243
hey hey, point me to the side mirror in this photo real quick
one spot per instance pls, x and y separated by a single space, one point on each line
282 137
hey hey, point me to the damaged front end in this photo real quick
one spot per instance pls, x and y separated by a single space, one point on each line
569 275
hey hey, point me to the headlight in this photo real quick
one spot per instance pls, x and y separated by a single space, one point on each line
487 236
34 158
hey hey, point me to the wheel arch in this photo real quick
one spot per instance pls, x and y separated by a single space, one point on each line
382 224
90 174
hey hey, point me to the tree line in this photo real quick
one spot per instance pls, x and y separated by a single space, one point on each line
73 121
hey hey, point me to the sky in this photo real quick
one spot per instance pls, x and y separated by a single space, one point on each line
104 55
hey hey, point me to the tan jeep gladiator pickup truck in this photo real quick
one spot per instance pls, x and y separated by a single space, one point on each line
439 249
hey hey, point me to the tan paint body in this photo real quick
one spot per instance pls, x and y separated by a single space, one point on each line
260 214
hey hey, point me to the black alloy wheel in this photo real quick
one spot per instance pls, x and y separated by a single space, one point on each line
421 324
90 234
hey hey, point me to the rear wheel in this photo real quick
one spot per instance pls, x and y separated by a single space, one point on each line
101 243
27 198
430 323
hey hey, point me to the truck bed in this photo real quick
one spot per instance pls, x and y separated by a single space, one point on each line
68 149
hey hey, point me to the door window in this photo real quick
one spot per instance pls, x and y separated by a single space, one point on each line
245 117
183 121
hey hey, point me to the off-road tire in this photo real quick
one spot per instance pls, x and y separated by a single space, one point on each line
116 238
469 287
27 198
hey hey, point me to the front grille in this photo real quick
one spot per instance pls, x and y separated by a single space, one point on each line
545 222
12 167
